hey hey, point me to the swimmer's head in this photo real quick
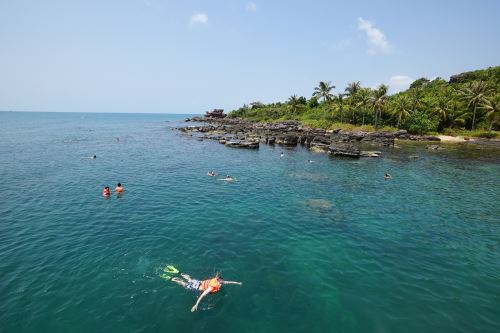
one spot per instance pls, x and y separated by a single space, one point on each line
119 184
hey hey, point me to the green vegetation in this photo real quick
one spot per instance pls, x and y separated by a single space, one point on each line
469 101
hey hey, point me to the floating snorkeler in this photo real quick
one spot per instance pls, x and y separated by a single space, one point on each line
209 286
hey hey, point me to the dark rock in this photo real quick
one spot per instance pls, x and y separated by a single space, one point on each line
215 114
242 144
288 140
319 147
197 119
344 150
435 147
321 139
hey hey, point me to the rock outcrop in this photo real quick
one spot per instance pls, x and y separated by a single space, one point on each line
239 133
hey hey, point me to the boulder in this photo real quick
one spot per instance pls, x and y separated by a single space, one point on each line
287 140
319 147
344 150
215 114
242 144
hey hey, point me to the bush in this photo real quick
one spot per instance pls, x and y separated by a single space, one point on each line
420 123
316 123
488 135
313 103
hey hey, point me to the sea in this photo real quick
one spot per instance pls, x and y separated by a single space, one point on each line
320 244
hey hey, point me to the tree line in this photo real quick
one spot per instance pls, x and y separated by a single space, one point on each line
467 101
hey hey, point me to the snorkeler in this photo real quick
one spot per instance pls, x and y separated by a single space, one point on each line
119 188
210 286
387 176
106 192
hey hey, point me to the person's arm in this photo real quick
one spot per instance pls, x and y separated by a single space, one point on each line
231 282
205 293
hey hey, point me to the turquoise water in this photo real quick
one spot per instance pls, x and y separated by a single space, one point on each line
320 247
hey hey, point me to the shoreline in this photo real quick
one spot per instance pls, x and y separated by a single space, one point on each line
240 133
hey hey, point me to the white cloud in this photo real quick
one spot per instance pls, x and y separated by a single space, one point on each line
399 82
198 18
251 7
376 39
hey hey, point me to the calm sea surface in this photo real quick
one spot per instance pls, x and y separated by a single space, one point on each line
320 247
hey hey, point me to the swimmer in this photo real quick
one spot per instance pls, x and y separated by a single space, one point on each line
210 286
229 178
119 188
282 155
212 173
93 157
387 176
106 192
310 161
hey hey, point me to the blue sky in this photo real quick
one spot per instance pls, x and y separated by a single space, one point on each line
191 56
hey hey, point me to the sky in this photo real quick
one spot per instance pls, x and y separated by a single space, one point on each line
161 56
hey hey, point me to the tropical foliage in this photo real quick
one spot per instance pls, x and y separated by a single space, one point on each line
467 101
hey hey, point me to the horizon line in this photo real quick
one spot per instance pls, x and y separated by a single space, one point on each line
96 112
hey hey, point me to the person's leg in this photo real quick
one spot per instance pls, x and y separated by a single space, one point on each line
187 277
179 281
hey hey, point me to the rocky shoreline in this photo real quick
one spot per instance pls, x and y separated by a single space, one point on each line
239 133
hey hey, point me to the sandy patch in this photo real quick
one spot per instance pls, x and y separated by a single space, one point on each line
449 138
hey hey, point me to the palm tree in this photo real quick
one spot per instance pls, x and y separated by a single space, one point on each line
339 101
416 95
442 110
492 106
352 90
363 98
402 108
378 101
474 93
323 90
457 117
293 101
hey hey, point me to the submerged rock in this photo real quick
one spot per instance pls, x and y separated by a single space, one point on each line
322 204
373 153
435 147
